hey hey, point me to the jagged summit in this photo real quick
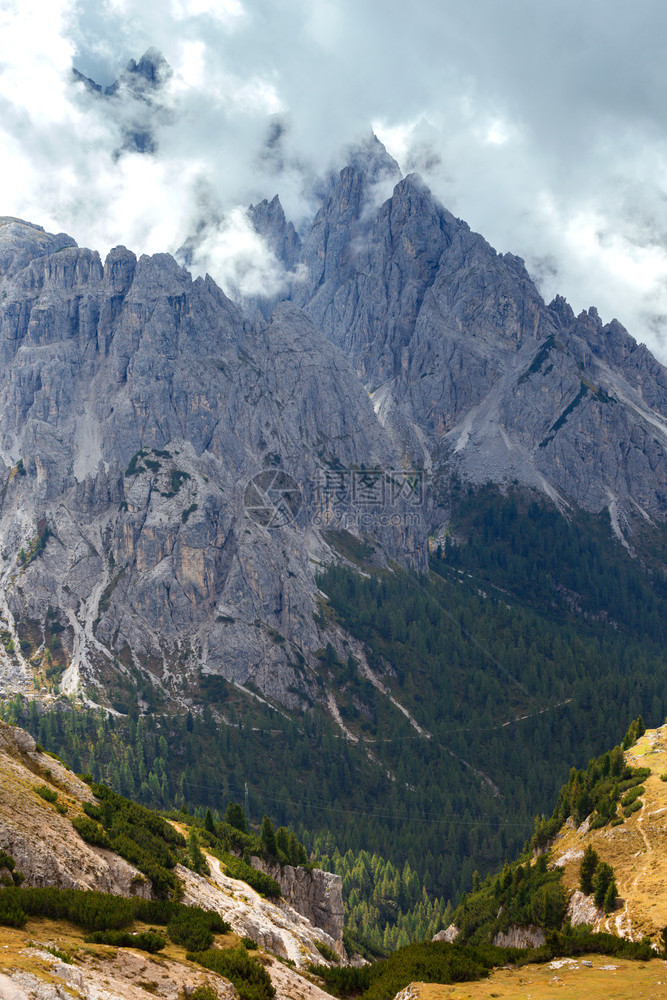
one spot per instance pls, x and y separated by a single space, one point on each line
138 91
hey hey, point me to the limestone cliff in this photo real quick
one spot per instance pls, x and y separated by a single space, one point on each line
315 894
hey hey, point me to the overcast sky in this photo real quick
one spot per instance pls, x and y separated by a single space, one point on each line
540 122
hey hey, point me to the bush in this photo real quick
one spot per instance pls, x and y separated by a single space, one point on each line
189 932
11 914
327 952
263 884
146 941
90 831
250 978
46 793
204 993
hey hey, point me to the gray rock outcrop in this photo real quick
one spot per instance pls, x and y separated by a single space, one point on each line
316 894
137 405
520 937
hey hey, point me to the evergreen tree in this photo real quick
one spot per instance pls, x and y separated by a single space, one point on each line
589 863
235 816
602 880
195 853
208 822
268 837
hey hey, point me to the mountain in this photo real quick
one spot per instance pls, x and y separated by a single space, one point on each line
469 370
137 405
360 552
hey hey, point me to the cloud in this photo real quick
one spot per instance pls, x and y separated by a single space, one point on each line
541 124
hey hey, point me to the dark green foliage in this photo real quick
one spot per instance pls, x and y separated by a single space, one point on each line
268 836
90 831
176 480
434 962
327 952
134 468
597 790
197 861
145 941
262 883
632 795
385 907
635 731
632 808
250 978
139 835
46 793
589 863
12 913
208 822
204 993
548 905
7 862
235 816
521 894
186 513
602 879
530 550
98 911
249 943
345 982
193 934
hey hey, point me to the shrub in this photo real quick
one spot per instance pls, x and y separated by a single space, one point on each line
46 793
204 993
632 808
147 941
90 831
263 884
326 952
250 978
189 932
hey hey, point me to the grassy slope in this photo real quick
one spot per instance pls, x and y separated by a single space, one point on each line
608 979
637 849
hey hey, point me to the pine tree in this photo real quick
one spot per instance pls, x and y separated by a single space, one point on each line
602 880
589 863
268 836
196 855
208 822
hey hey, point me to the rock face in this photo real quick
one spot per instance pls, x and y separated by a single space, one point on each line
274 925
45 847
520 937
582 910
468 368
316 894
137 405
168 466
449 934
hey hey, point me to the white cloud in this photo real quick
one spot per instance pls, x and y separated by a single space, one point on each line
543 125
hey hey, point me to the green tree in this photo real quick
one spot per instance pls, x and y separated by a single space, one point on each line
208 822
610 897
195 853
589 863
235 816
603 878
268 836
